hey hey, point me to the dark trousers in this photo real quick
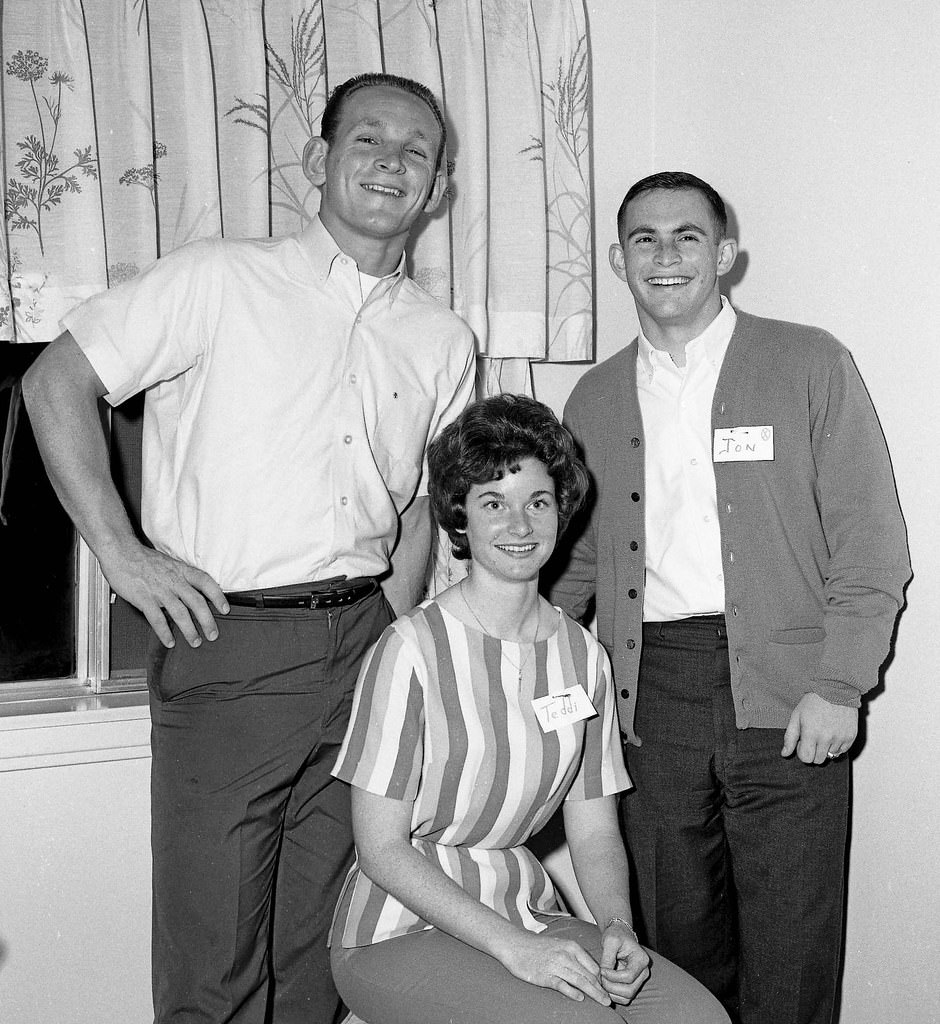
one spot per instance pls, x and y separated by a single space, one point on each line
738 853
251 835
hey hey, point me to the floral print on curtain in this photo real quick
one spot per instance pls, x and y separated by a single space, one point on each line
130 128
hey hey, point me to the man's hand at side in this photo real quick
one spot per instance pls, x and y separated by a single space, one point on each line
160 587
818 728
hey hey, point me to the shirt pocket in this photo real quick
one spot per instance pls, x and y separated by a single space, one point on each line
399 432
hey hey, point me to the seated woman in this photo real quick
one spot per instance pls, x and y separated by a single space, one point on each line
475 716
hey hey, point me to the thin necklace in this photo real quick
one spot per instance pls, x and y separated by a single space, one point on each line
525 658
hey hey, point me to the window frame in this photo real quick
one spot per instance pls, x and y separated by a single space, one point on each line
93 599
92 677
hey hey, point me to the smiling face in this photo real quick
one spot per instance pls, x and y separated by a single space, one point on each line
378 174
512 524
671 256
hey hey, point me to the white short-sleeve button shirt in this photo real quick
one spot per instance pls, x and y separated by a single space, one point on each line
289 404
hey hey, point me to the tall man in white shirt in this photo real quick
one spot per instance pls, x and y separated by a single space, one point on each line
292 388
746 557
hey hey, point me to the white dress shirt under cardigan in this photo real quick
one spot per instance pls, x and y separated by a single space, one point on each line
684 575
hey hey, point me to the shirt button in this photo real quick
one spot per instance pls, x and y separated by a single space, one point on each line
631 592
344 500
358 320
631 644
635 496
347 439
635 442
634 546
352 378
707 519
624 694
694 462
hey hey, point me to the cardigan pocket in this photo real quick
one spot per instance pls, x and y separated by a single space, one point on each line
787 662
797 635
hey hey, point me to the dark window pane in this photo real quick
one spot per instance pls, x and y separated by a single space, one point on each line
38 545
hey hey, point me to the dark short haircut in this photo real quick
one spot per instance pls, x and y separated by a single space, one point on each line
487 441
333 111
675 181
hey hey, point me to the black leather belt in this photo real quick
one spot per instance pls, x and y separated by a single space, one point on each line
700 625
335 596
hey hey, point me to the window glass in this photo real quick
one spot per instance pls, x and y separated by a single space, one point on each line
38 545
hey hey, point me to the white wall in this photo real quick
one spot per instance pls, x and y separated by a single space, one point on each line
75 875
820 124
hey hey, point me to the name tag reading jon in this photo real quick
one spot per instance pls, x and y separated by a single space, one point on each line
564 708
743 444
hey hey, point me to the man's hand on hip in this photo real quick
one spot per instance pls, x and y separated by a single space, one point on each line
162 587
818 730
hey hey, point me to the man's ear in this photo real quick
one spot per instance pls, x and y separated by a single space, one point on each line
314 160
437 191
617 261
727 254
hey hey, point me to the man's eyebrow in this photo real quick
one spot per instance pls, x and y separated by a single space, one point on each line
370 122
378 123
645 229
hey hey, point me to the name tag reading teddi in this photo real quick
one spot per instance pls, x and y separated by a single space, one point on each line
564 708
743 444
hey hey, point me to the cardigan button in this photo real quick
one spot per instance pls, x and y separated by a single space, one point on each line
631 644
631 592
634 546
635 496
635 442
624 694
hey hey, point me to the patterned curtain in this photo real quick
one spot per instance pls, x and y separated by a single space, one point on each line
132 126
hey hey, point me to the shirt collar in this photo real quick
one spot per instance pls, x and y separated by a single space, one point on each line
322 251
711 344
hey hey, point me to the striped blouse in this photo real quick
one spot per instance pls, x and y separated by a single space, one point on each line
439 718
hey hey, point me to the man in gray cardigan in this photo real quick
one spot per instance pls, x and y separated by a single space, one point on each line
746 558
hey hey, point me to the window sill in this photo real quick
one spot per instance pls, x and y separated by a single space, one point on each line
87 729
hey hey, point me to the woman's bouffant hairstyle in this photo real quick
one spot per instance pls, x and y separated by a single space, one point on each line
487 441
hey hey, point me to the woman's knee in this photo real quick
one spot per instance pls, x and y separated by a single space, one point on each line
672 996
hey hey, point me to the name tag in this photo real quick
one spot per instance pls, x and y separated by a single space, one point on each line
564 708
743 444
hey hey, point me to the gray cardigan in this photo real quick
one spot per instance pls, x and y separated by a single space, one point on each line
813 543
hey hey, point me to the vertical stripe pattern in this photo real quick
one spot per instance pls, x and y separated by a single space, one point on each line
440 718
